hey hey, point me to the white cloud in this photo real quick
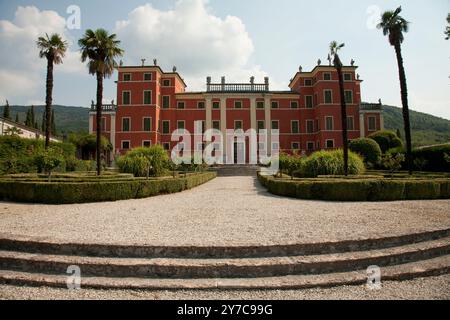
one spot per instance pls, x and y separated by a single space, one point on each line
190 37
22 72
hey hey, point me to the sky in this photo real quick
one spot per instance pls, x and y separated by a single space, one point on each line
233 38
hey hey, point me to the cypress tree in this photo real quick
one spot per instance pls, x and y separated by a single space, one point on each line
6 111
28 122
32 115
53 127
17 117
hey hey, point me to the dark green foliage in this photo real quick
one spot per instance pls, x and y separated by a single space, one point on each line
386 140
7 111
144 162
434 157
361 189
367 148
95 189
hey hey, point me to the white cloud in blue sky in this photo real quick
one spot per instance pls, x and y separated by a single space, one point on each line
234 38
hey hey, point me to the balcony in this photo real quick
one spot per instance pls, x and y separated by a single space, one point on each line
237 87
370 106
111 107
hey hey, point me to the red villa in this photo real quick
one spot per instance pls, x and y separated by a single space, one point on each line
151 104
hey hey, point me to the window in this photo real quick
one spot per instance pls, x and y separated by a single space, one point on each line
372 123
216 105
294 105
166 102
259 104
261 125
166 145
348 96
216 125
310 146
147 77
275 125
201 105
238 104
295 146
309 126
328 96
237 124
308 82
180 105
147 97
327 76
103 124
147 124
295 126
274 105
125 145
146 143
166 83
127 77
329 144
126 97
180 124
350 123
309 102
329 123
347 77
166 127
125 124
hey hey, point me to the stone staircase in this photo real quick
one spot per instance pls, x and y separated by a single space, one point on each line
236 170
25 261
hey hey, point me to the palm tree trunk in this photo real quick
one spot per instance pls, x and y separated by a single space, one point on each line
405 109
99 120
48 100
344 120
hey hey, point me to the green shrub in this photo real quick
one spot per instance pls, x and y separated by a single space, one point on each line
144 162
331 163
435 157
386 140
48 160
367 148
289 164
392 162
58 192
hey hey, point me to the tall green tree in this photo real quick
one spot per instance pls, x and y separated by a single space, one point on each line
7 111
53 49
53 127
28 122
334 48
447 29
17 118
32 116
393 26
100 49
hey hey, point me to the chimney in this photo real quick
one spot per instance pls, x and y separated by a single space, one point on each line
266 83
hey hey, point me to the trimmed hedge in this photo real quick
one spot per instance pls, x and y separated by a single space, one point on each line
38 191
386 139
369 189
367 148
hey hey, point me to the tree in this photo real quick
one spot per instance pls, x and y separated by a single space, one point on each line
17 118
447 29
393 26
100 50
48 160
32 120
43 122
7 111
334 48
28 122
53 49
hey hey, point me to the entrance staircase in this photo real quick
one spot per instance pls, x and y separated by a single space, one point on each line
236 170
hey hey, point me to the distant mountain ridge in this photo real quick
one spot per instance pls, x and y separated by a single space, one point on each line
426 129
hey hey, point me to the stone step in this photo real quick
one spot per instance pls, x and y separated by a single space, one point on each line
45 246
226 267
236 170
429 267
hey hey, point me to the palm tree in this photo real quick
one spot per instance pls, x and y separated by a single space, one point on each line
52 48
100 48
334 48
393 26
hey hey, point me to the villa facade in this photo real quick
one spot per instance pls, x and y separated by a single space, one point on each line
151 104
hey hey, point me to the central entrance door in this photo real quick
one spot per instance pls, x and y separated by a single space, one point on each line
239 152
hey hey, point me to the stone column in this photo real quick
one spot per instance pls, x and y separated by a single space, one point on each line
268 123
91 123
113 132
253 113
208 120
223 125
362 130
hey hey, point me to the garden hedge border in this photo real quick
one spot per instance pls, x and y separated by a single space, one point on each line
340 189
97 191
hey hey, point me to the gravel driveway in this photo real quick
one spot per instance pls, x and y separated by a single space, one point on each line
224 211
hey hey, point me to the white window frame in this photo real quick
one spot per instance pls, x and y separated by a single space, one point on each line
306 101
323 76
128 74
212 124
162 102
170 83
143 141
123 94
374 123
311 121
143 97
143 124
162 126
184 105
242 124
238 101
326 144
309 143
292 145
306 85
296 103
278 124
257 124
276 102
351 91
198 105
298 126
151 76
324 96
332 123
184 124
129 124
260 102
212 105
129 144
352 121
347 73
